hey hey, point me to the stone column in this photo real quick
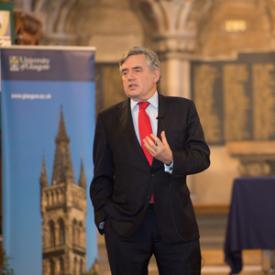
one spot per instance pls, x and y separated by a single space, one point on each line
175 79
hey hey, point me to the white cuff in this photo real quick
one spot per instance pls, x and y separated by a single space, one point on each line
169 168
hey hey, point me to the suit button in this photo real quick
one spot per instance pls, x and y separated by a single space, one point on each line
152 175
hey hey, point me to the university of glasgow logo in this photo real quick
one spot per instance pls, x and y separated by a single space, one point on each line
14 62
26 63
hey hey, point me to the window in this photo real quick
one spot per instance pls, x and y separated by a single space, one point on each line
61 232
52 234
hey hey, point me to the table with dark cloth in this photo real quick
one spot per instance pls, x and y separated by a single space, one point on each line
251 220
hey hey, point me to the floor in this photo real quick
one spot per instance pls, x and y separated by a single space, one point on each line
213 263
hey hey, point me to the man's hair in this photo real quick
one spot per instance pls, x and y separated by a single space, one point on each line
150 56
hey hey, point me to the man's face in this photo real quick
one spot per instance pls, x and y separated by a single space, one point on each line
138 79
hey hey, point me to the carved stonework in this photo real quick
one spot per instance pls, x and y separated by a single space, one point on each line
167 23
252 167
257 158
55 16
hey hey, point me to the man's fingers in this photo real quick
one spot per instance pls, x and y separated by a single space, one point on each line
150 145
158 148
149 141
156 140
163 138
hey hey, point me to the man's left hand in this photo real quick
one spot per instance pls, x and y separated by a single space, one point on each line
159 148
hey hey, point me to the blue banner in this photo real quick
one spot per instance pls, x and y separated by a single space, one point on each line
48 111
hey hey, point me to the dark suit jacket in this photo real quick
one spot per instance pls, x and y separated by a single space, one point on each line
123 179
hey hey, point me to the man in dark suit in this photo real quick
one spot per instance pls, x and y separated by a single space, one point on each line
144 148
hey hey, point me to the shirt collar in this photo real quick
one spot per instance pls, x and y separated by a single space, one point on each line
153 100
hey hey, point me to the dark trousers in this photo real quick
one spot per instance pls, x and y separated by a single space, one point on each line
130 256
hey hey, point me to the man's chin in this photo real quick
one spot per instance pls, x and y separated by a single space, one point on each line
133 93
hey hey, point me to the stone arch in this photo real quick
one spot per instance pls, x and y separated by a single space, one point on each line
54 15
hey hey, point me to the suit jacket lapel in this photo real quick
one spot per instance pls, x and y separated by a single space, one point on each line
161 124
161 115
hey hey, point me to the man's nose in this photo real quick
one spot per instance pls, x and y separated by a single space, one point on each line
131 75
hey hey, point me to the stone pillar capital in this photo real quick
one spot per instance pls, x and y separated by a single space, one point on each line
180 43
167 23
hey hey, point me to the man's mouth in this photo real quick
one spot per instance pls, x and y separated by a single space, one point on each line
132 86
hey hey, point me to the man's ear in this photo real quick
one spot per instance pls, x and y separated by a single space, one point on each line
156 75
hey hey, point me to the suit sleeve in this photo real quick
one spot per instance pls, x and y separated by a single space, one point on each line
194 157
102 184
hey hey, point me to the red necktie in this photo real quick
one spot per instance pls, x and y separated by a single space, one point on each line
144 127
